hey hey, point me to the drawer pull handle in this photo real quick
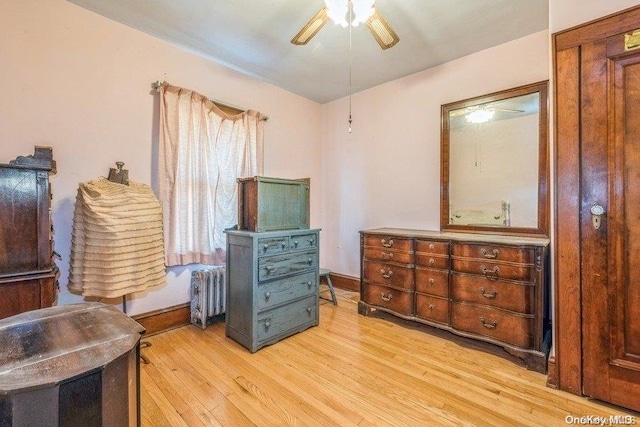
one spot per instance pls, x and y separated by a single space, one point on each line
312 242
309 309
267 323
386 297
266 246
485 253
310 261
432 307
490 273
387 244
267 296
432 261
432 246
432 281
491 325
283 244
386 273
387 255
309 284
295 243
488 295
269 268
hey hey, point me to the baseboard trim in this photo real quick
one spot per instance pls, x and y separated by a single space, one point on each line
552 373
345 282
164 319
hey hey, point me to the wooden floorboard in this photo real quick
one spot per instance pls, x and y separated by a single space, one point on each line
349 371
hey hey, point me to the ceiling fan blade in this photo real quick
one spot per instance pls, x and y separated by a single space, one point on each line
381 30
311 29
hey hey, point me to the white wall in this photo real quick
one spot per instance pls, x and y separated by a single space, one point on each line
81 83
565 14
386 173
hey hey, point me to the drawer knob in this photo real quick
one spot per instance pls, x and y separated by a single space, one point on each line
269 268
486 294
267 323
386 297
432 307
432 281
267 295
490 273
432 261
489 255
489 325
310 261
386 244
386 273
432 246
266 246
309 284
309 309
295 243
283 244
312 241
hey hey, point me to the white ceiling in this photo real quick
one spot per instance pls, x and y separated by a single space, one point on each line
253 36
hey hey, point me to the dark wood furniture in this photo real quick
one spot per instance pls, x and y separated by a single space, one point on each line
72 365
488 287
28 275
597 309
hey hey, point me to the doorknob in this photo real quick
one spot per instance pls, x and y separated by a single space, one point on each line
596 215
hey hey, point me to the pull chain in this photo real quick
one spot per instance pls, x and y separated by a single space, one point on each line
350 72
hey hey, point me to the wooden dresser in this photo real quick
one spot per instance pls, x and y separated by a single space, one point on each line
272 285
28 275
492 288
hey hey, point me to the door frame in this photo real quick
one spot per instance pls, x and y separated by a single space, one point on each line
565 367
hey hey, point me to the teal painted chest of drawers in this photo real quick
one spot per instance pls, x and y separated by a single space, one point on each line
272 282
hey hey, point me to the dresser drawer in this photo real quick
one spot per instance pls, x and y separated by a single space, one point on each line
398 301
432 247
278 292
273 245
494 270
303 241
394 275
433 282
432 261
285 319
432 308
281 265
514 296
388 242
388 255
515 254
508 327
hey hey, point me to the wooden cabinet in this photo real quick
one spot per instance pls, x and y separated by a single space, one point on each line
28 275
488 287
272 282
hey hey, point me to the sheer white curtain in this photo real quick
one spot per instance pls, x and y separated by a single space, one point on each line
202 152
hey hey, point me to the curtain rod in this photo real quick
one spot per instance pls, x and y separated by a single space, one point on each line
156 85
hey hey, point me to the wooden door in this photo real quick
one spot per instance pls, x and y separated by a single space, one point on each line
598 153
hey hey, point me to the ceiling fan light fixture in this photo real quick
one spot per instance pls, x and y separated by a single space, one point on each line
338 10
311 29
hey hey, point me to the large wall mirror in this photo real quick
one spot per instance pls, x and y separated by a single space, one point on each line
495 162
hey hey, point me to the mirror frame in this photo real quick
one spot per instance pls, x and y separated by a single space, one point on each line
543 161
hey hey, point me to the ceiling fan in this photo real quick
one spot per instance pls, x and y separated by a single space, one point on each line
337 10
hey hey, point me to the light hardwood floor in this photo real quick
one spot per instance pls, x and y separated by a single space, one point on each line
351 370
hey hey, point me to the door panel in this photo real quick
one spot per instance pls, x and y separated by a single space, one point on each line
611 254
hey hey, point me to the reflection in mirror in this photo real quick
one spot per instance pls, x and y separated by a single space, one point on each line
494 153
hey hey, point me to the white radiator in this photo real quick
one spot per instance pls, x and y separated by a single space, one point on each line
208 294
